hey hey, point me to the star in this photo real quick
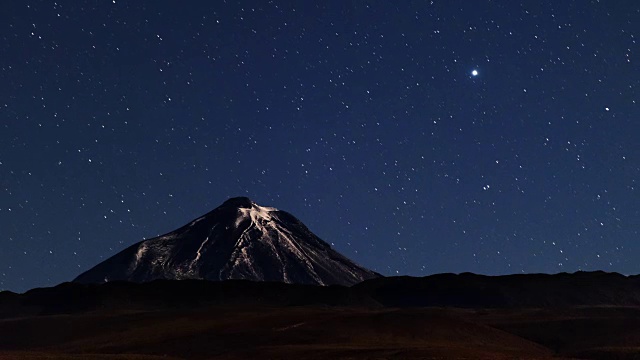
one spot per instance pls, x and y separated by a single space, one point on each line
474 72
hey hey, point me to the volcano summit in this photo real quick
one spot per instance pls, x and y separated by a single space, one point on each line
237 240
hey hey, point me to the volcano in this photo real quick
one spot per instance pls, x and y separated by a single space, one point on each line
237 240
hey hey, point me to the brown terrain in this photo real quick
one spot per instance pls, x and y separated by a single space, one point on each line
575 316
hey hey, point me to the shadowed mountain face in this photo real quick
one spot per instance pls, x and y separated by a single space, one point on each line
237 240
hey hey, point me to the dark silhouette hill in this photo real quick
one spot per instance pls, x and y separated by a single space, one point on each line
443 290
523 290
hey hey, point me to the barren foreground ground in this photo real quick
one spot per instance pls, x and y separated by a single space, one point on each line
320 332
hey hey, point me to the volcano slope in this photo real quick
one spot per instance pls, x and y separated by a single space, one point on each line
238 240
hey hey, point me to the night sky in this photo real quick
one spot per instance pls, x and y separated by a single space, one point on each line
417 137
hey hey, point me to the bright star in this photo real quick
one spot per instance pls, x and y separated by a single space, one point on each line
474 72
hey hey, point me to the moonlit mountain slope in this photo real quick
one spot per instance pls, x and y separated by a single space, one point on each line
238 240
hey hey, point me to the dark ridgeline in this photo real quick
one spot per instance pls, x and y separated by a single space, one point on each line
445 290
237 240
469 290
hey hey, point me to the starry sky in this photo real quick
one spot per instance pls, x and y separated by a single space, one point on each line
417 137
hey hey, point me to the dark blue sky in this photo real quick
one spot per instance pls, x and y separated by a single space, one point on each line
122 120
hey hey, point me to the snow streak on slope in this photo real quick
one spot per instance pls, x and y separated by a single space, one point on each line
270 233
199 251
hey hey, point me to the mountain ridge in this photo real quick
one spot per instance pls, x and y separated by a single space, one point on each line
237 240
467 290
